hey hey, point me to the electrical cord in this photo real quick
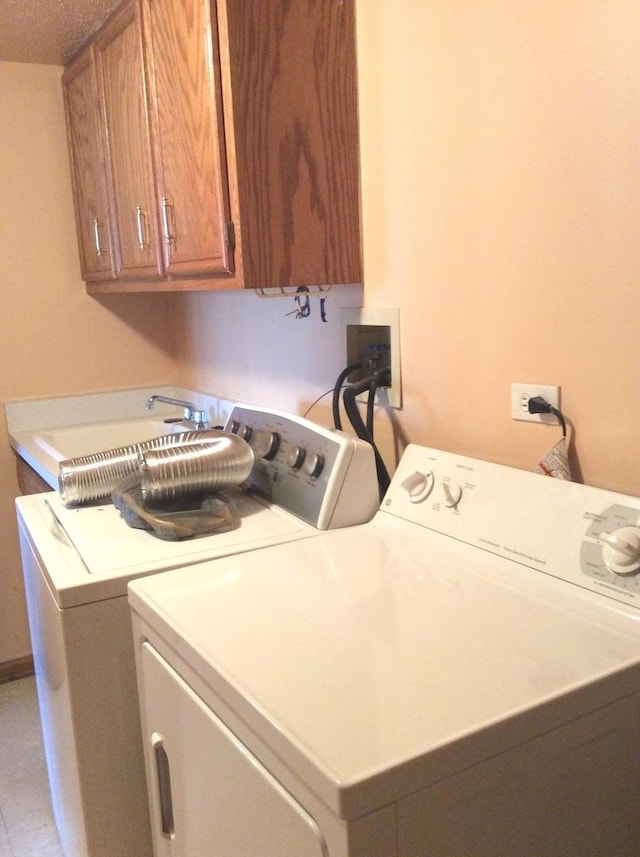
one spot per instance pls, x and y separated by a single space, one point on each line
381 378
335 391
337 422
371 400
539 405
378 379
315 402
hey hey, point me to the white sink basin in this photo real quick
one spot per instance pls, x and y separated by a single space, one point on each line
74 441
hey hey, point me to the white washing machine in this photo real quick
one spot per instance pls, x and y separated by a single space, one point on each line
459 677
77 563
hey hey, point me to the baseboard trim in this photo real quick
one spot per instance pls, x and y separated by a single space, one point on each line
18 668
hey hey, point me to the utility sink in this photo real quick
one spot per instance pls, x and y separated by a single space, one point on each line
44 432
74 441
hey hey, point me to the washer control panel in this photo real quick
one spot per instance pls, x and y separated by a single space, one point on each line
584 535
325 477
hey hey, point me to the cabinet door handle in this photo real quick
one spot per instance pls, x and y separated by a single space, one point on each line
96 237
164 786
141 222
169 234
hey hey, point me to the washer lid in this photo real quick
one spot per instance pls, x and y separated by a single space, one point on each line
374 661
90 553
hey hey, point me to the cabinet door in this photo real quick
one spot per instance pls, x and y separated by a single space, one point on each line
183 73
209 795
121 68
84 130
292 91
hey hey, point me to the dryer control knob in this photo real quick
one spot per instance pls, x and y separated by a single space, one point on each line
452 493
418 486
621 550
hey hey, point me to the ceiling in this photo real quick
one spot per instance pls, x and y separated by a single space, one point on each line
48 31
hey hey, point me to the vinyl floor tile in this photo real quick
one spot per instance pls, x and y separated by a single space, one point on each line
5 848
27 828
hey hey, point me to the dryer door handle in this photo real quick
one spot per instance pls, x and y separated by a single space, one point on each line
164 785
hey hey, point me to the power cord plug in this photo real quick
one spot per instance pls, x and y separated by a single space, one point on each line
539 405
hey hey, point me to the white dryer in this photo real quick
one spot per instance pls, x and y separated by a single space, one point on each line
77 563
459 677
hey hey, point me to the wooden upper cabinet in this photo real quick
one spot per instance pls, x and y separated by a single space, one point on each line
121 76
232 154
291 115
192 191
86 152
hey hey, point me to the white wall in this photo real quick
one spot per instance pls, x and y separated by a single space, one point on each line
256 349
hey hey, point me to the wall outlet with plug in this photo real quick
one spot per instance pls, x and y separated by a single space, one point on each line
520 395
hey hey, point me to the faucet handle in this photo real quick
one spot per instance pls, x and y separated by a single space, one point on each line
197 417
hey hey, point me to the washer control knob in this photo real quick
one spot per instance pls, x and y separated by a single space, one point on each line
314 464
245 432
418 486
452 493
296 457
234 426
265 444
621 550
272 445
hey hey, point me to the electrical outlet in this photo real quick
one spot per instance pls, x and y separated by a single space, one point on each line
372 337
520 395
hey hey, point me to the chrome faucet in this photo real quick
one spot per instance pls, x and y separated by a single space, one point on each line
191 413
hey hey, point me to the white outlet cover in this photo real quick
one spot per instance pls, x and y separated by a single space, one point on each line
520 395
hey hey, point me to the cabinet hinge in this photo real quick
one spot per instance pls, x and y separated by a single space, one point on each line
230 235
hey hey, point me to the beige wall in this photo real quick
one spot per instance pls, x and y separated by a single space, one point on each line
54 339
501 173
501 205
